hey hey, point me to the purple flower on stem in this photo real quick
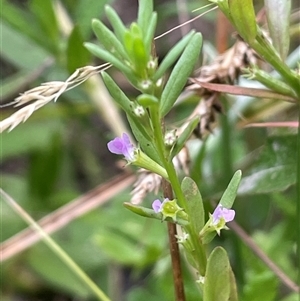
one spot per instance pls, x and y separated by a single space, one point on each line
170 209
122 146
222 213
157 206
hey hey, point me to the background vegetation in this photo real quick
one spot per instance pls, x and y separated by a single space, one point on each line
60 154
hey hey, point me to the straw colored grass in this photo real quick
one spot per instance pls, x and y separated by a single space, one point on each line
37 97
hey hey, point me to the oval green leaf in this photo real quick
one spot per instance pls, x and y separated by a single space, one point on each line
230 193
194 203
217 277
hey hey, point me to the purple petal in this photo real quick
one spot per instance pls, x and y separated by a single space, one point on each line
222 212
126 139
228 214
156 205
116 146
122 146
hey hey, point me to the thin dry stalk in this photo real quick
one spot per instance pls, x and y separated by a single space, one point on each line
66 214
264 257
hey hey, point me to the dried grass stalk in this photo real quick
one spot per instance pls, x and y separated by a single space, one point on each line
37 97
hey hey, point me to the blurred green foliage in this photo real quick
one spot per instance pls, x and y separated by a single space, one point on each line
60 152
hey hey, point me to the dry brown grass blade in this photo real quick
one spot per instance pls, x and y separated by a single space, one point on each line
236 90
64 215
292 124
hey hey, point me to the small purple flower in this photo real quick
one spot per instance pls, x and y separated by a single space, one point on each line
222 212
157 206
122 146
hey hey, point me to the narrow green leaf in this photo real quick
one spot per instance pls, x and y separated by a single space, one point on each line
117 94
172 56
184 136
108 39
180 74
276 85
144 14
243 16
217 277
230 193
77 55
146 212
149 36
116 23
145 141
139 55
108 57
194 203
278 17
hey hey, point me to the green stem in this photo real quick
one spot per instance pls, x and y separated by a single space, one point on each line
173 178
159 139
263 47
57 249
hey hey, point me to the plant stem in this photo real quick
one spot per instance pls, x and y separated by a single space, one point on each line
158 136
56 249
262 46
168 193
175 185
174 249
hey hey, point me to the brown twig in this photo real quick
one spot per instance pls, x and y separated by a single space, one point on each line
174 249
